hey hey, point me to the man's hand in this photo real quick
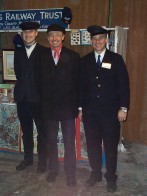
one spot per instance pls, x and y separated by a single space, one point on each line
122 115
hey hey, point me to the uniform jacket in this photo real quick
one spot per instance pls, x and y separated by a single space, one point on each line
60 85
104 89
27 74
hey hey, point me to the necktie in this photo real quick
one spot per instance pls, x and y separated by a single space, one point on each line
98 60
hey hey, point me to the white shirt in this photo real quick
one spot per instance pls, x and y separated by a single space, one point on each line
102 55
29 50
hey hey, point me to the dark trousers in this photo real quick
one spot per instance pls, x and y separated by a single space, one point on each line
108 131
68 132
27 112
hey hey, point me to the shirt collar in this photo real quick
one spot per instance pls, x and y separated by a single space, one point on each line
102 54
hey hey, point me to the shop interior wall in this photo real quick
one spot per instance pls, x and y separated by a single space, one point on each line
109 13
133 14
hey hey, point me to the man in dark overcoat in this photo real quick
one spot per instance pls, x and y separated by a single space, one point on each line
104 101
60 79
26 95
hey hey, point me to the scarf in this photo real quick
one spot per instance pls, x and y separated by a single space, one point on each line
56 51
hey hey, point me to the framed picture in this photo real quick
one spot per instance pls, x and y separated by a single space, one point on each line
85 37
8 65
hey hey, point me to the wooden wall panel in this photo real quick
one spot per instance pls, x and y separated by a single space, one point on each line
133 14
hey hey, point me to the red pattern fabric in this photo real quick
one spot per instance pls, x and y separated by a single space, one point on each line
57 51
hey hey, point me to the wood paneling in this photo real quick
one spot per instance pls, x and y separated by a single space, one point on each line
133 14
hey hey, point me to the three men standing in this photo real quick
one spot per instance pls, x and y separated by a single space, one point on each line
52 76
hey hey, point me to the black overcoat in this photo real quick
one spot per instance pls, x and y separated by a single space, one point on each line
105 89
27 71
60 85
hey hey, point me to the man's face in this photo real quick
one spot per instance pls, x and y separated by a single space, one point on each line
55 38
29 36
99 42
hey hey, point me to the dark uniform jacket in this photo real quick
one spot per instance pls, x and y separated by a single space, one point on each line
60 85
27 74
105 89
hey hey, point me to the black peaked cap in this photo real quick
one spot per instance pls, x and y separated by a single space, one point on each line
55 27
29 25
95 30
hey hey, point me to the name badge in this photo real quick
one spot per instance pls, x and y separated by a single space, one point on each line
106 65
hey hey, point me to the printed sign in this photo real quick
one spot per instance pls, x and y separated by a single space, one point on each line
10 19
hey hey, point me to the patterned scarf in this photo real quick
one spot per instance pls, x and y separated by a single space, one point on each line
57 51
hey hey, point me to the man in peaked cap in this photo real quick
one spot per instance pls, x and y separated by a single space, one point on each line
26 95
60 76
104 101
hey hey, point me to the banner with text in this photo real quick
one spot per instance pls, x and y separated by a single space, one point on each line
10 19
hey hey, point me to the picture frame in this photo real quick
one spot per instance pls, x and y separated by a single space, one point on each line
8 65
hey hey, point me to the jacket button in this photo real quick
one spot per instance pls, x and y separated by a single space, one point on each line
97 77
99 85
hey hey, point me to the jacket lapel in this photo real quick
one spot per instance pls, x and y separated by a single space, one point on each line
34 52
107 58
92 62
63 59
